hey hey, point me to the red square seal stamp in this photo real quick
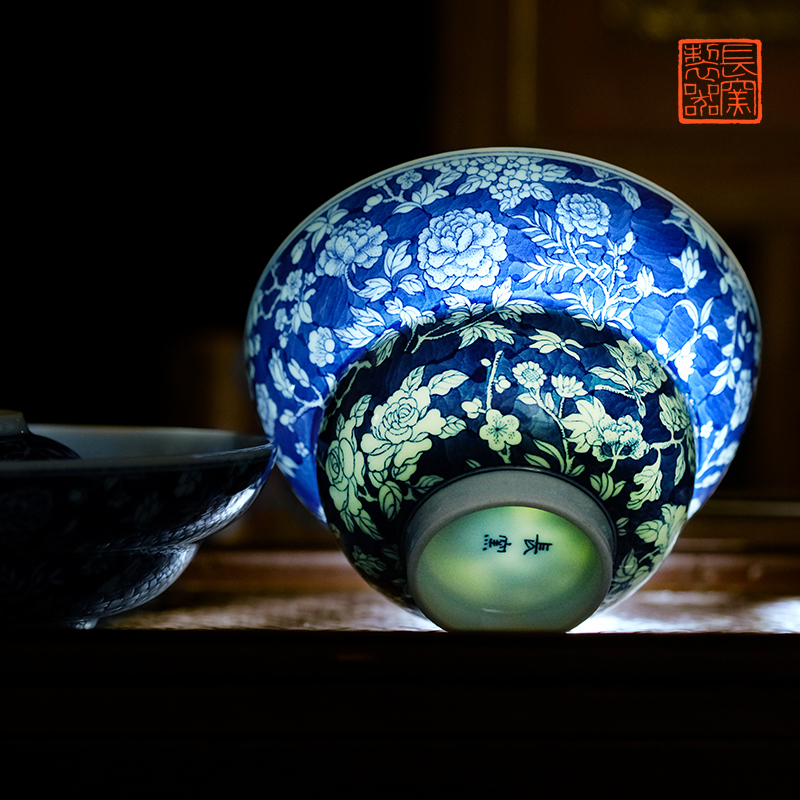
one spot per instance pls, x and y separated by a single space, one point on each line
719 80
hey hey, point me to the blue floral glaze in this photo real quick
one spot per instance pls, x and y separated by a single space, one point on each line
515 231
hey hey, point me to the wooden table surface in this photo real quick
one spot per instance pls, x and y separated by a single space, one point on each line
279 671
319 590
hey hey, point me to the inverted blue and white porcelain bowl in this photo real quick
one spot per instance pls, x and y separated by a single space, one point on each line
505 378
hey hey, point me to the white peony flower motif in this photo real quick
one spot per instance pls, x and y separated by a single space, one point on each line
357 243
585 213
401 429
462 248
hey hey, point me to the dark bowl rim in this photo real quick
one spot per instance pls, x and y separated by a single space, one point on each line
246 447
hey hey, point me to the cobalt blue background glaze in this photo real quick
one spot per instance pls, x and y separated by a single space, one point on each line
548 393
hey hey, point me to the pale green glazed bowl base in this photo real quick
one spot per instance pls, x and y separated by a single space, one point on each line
510 549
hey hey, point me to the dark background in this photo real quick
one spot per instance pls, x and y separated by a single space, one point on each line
159 165
158 160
